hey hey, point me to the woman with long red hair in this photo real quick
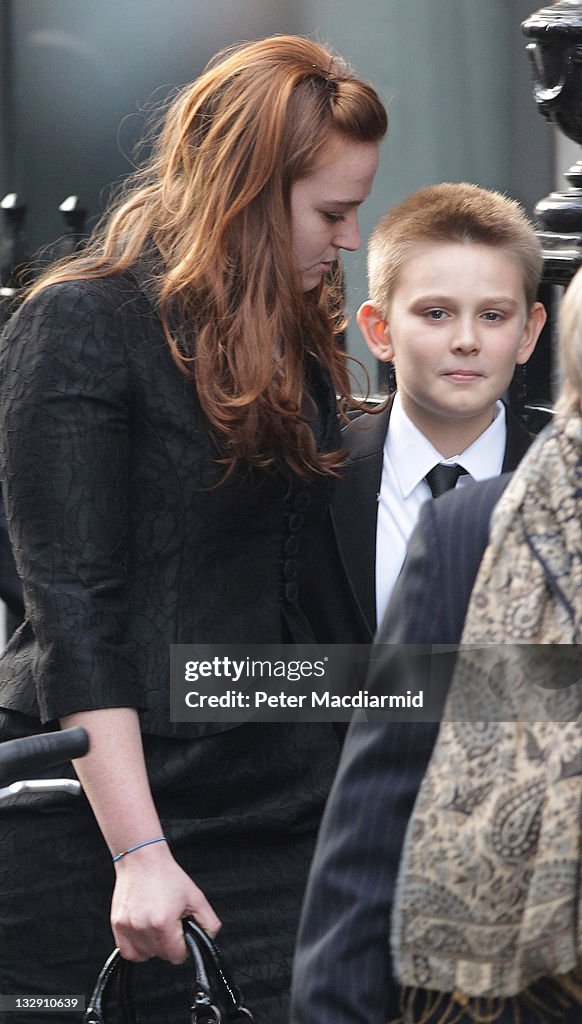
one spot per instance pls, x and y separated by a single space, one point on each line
168 415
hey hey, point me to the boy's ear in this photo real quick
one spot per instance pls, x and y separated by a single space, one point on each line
531 332
376 331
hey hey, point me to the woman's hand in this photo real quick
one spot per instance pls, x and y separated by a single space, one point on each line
152 894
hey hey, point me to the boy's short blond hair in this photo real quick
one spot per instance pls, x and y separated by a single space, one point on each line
450 212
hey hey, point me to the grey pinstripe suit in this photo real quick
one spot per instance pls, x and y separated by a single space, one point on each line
342 970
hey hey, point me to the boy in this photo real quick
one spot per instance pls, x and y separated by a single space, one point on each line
453 274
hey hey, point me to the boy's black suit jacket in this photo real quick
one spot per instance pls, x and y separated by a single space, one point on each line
340 590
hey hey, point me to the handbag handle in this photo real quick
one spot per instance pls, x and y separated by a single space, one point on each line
216 998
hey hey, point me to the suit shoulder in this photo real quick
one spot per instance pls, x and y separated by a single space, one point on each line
475 502
74 301
69 331
519 438
365 434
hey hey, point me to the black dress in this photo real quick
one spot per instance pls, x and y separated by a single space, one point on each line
125 547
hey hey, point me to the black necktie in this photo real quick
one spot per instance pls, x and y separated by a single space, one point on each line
443 477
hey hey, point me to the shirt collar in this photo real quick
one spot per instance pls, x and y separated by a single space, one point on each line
412 455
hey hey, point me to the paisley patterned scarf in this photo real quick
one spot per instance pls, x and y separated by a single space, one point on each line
489 897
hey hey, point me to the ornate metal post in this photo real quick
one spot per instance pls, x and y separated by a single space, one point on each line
555 50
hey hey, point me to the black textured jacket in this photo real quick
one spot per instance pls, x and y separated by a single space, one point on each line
123 542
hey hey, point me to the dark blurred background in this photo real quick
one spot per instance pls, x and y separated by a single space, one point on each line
77 75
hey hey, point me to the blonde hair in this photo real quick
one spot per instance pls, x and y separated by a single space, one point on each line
570 349
450 212
213 200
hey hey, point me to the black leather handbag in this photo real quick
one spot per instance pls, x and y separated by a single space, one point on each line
215 997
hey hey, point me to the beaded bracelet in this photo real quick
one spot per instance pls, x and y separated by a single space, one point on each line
148 842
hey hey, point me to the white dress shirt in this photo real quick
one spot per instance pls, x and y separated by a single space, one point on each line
408 457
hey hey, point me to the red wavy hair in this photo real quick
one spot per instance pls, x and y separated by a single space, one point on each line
214 198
